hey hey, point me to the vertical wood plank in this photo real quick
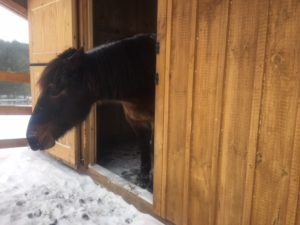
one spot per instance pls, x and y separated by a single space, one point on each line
262 32
242 102
166 93
275 191
212 26
294 183
298 210
180 57
88 131
189 108
160 110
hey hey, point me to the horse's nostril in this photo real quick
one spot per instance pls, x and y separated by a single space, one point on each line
33 142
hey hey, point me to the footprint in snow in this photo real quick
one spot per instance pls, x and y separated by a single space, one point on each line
37 213
85 216
54 222
20 203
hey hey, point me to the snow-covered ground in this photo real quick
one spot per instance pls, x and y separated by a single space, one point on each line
36 189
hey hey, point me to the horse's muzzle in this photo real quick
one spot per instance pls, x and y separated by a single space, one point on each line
33 142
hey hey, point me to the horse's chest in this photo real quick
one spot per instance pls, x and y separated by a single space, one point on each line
138 114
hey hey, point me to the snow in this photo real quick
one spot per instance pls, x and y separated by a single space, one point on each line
36 189
120 181
123 160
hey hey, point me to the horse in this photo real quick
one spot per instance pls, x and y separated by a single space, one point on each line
121 72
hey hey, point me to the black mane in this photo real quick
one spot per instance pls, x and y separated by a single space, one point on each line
133 58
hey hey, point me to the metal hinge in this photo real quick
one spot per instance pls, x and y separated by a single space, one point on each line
157 47
156 78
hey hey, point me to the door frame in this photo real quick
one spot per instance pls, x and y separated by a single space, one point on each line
88 134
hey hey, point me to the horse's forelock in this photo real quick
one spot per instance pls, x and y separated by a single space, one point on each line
49 73
54 68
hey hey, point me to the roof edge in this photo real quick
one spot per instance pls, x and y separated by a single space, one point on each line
15 7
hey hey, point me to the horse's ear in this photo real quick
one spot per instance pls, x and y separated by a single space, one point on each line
67 53
77 57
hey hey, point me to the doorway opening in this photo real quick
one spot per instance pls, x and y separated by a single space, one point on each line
116 147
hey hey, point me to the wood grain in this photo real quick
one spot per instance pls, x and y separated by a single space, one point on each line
52 28
13 143
242 97
293 201
88 131
275 192
298 210
159 163
189 108
180 45
208 85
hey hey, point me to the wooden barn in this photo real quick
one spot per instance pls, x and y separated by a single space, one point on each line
227 112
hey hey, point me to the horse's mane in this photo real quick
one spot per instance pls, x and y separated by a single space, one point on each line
127 65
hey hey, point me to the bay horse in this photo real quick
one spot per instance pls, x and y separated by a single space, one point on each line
120 72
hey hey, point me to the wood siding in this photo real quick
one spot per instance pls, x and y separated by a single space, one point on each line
227 131
52 28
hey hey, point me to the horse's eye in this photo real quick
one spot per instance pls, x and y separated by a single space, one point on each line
53 91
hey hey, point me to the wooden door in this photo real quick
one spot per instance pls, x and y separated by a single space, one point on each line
52 27
227 131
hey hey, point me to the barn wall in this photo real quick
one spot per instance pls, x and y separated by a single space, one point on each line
227 129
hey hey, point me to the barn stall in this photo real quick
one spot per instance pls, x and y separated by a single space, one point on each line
227 118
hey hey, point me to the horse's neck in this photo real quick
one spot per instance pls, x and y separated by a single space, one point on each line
103 80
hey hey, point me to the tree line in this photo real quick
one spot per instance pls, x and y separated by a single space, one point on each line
14 57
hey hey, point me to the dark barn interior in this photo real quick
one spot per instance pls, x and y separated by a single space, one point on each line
116 148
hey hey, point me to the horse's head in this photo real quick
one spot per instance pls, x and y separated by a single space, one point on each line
64 100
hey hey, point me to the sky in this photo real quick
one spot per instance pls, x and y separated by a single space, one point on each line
12 26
